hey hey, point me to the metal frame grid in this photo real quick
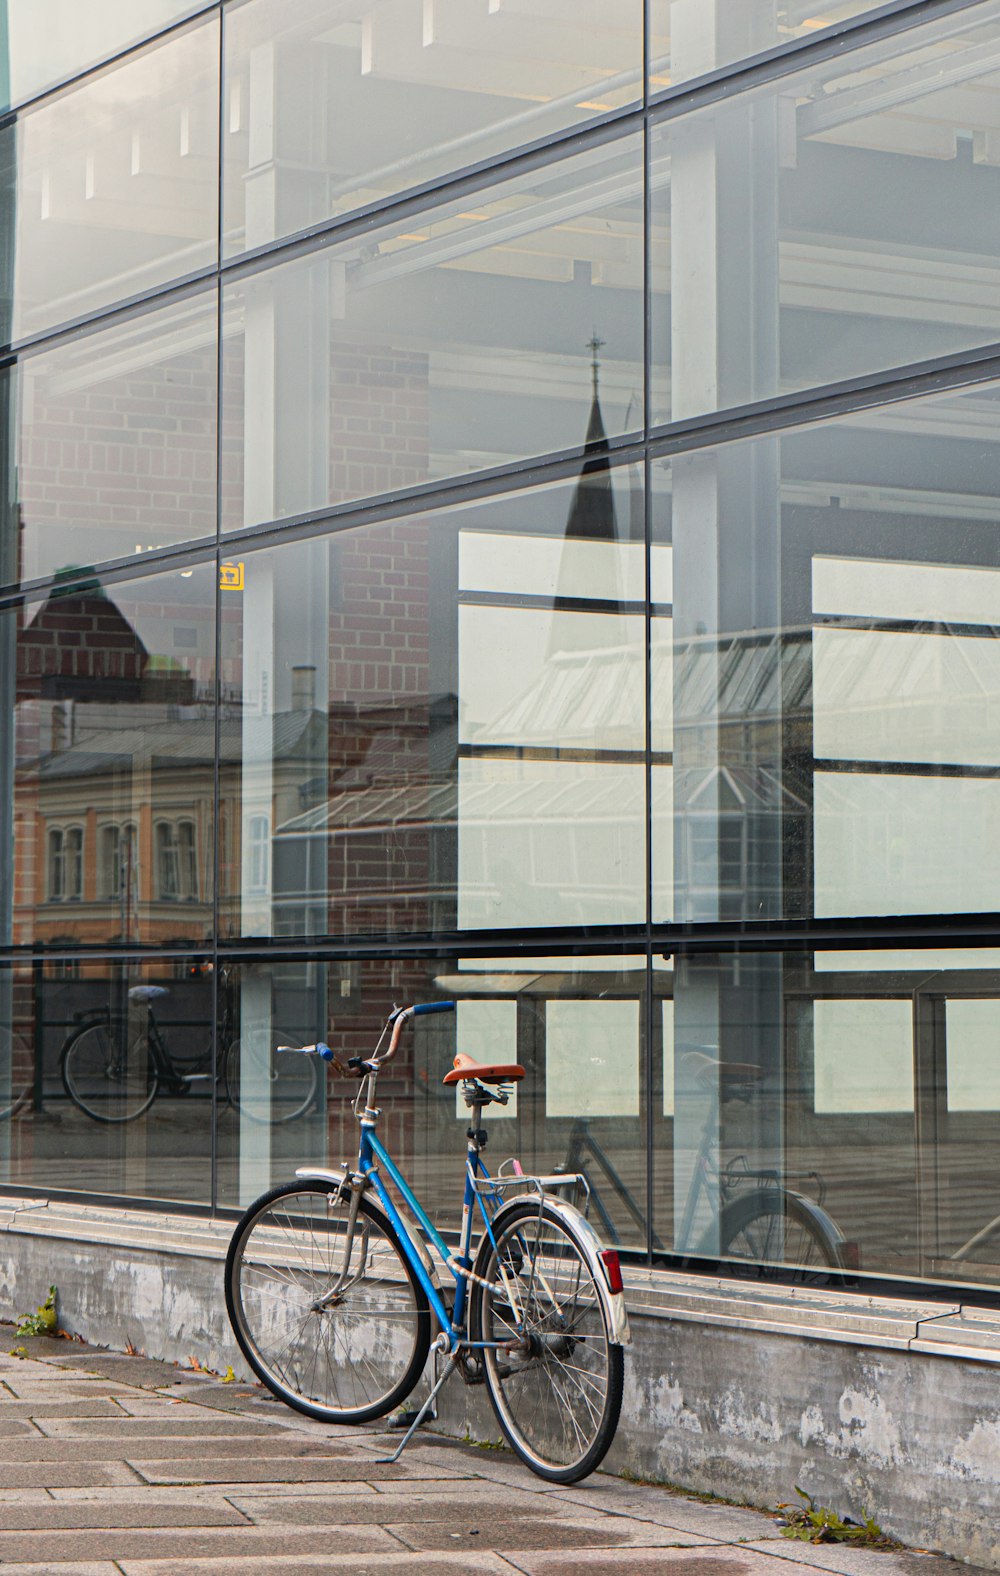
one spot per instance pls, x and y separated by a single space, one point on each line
786 412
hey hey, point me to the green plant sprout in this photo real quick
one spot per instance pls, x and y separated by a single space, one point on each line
43 1320
812 1523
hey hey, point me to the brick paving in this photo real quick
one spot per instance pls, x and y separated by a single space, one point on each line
119 1466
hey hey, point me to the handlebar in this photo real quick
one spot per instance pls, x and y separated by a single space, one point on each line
397 1018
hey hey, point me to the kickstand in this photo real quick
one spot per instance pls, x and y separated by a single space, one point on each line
427 1410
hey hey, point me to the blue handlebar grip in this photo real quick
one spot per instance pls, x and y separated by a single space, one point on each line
433 1006
307 1050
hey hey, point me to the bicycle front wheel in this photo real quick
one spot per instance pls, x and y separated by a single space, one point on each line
555 1377
266 1087
337 1328
110 1078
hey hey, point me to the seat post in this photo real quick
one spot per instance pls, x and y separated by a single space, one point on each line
476 1133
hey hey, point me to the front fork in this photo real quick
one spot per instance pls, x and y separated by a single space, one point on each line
332 1296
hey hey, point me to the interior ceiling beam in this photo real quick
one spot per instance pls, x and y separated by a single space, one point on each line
622 186
880 92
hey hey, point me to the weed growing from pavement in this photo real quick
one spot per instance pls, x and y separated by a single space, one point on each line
812 1523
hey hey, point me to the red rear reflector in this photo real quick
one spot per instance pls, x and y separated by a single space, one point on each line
612 1269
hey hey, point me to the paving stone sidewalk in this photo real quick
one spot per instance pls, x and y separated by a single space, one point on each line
120 1466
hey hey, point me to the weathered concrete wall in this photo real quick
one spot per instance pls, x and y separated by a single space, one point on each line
167 1305
713 1403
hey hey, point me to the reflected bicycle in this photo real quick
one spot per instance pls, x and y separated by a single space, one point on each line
114 1075
332 1294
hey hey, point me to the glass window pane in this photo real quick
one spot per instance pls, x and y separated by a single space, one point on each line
114 735
906 844
849 1074
117 183
525 1016
415 745
973 1056
502 326
900 697
845 213
116 442
786 1092
106 1077
332 106
835 675
49 42
592 1058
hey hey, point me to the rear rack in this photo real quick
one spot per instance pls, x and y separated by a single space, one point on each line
505 1183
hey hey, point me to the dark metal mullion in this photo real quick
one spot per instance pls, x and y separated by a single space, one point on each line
906 626
772 65
869 932
402 503
517 475
217 592
118 311
803 407
836 765
544 154
647 486
787 413
115 571
549 604
561 752
194 18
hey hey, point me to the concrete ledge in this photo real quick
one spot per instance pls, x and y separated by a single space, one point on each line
875 1405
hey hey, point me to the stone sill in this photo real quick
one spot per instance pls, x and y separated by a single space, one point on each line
942 1329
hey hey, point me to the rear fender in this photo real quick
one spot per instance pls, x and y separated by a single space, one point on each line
613 1303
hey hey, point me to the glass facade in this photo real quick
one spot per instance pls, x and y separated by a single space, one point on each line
501 503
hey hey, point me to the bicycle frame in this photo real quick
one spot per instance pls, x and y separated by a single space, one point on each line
373 1153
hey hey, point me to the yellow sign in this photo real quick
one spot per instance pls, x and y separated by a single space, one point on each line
231 577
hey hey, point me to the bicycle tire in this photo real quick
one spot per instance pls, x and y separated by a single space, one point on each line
13 1052
293 1081
347 1363
559 1415
772 1226
97 1080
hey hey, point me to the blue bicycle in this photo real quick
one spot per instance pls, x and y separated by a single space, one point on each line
332 1293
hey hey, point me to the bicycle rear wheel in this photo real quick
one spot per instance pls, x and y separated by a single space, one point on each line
556 1380
342 1357
15 1062
266 1087
110 1078
770 1226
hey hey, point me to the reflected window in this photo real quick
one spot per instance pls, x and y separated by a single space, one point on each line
118 860
176 861
74 863
57 865
259 869
65 864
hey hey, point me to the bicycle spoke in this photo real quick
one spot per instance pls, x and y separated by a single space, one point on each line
349 1357
557 1392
